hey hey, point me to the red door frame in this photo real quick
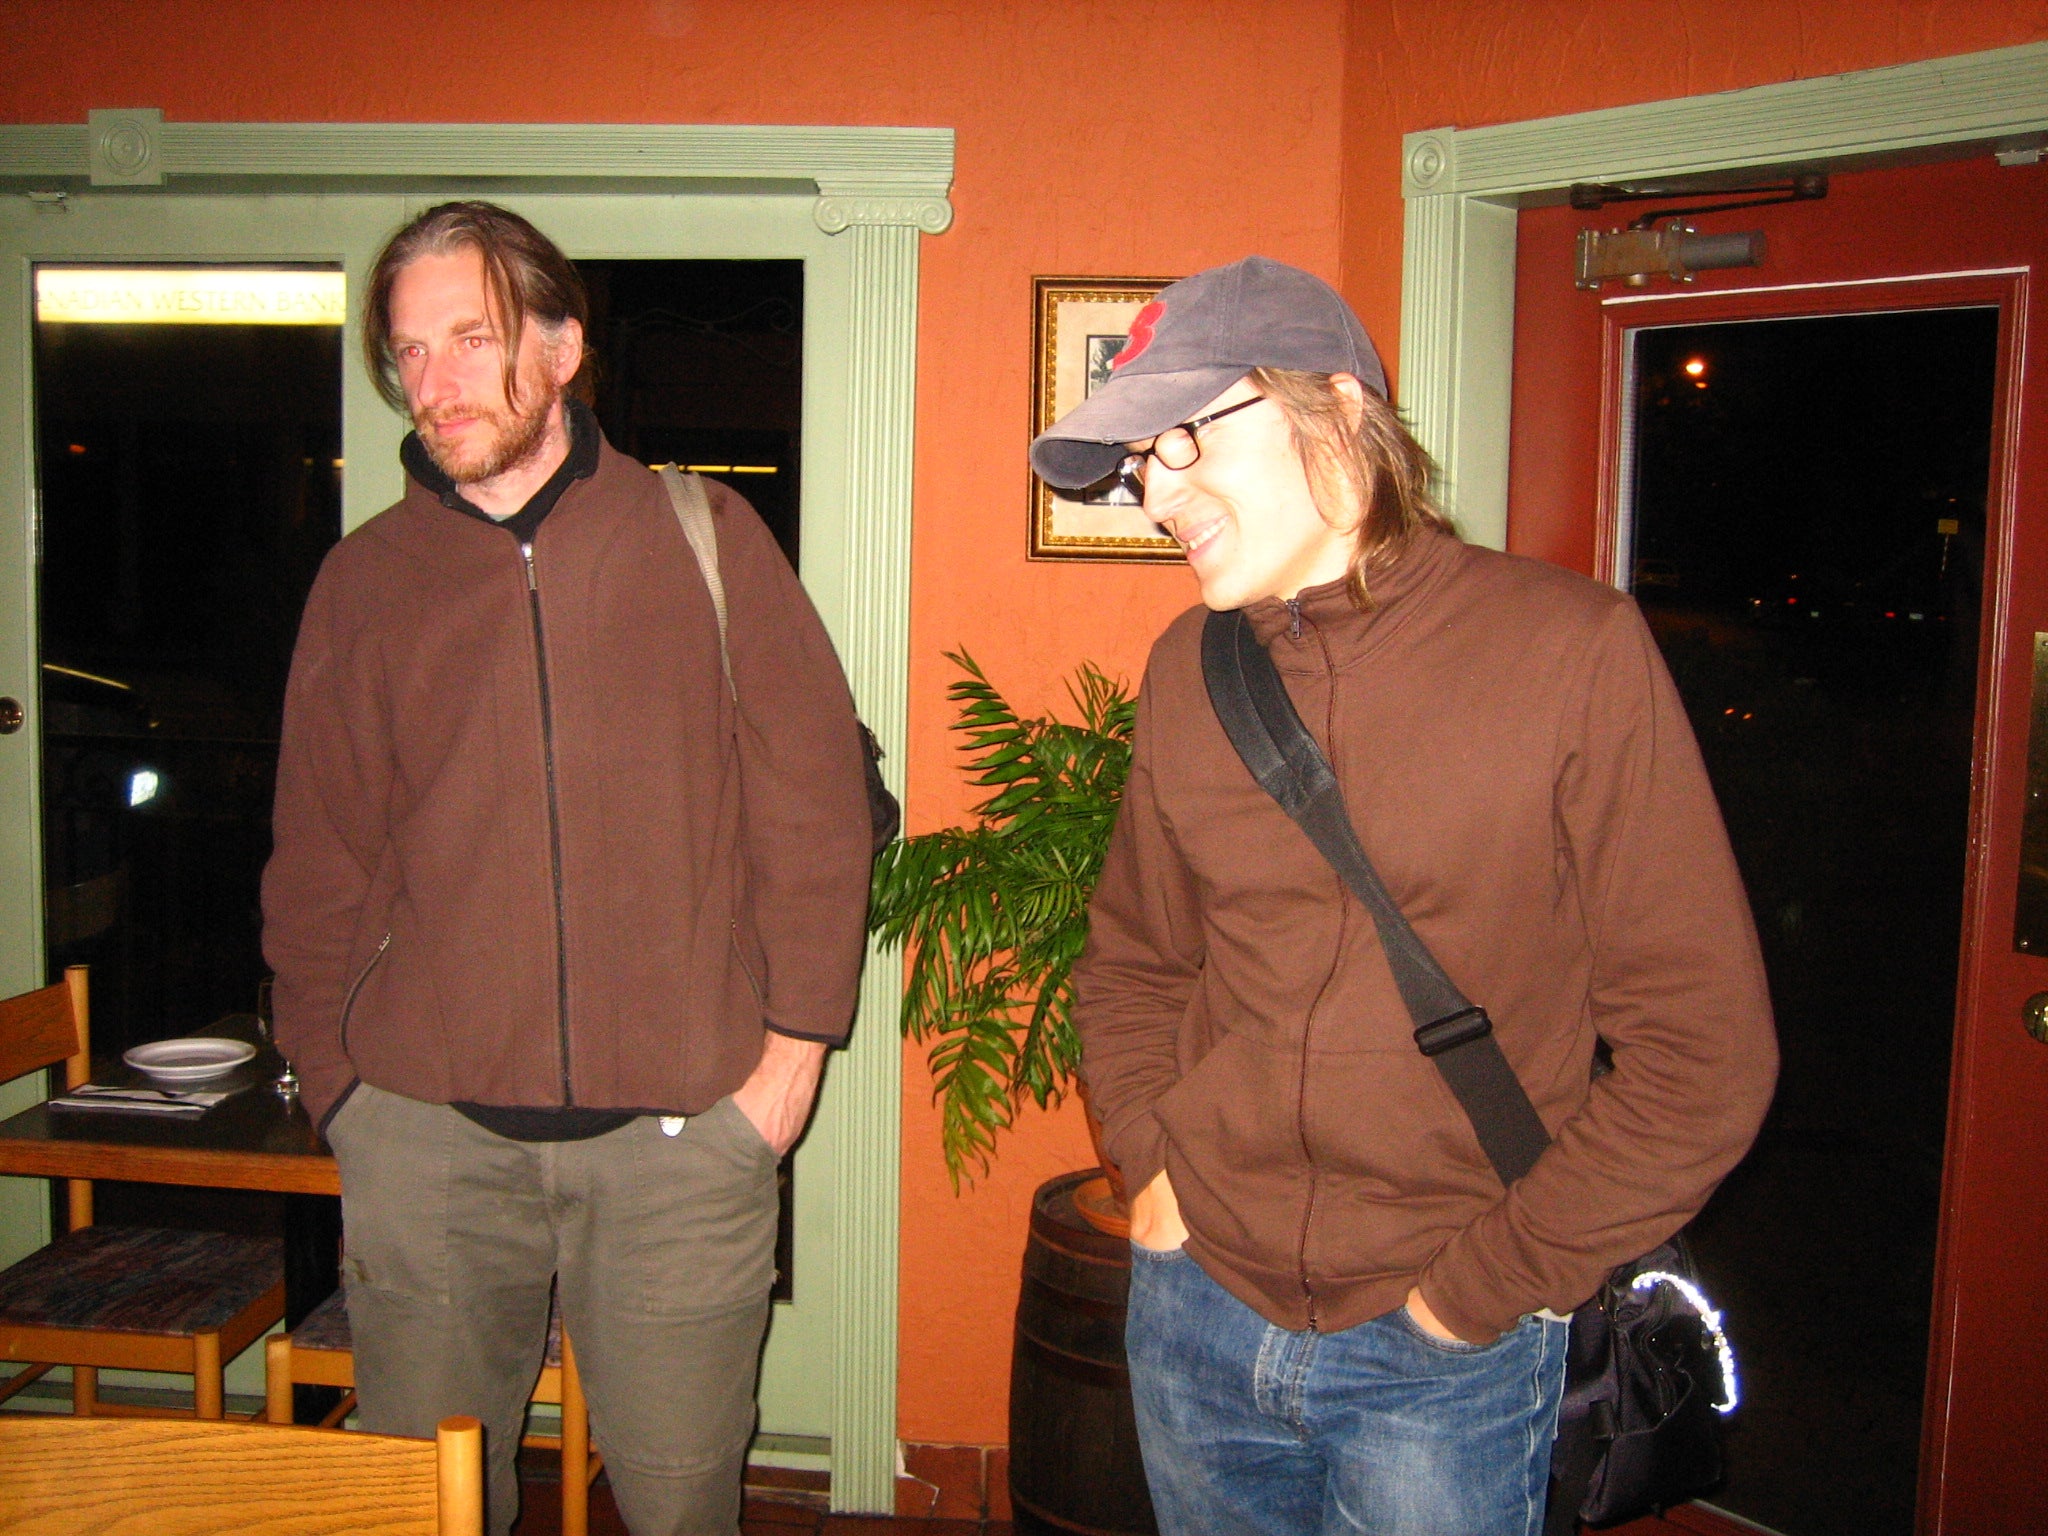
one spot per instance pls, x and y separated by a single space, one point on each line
1984 1454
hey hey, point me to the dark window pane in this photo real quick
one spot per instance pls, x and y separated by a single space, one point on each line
701 363
1809 551
191 485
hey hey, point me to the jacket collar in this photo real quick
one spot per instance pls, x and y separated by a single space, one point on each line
1323 627
585 440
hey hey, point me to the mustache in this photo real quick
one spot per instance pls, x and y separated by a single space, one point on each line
449 414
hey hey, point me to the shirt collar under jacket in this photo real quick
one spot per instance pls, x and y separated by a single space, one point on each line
584 438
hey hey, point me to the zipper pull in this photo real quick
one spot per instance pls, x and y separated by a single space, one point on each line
1294 621
526 552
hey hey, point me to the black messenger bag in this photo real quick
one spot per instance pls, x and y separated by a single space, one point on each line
1648 1371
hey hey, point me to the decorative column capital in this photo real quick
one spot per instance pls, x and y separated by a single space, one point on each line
841 205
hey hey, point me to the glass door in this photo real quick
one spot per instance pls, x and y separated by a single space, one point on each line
1806 525
158 522
188 448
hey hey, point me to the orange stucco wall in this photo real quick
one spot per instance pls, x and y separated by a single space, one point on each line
1152 136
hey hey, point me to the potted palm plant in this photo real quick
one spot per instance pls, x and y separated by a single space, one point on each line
994 914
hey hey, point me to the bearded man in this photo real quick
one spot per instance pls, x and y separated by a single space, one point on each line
562 923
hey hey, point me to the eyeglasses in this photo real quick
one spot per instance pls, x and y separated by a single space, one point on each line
1177 447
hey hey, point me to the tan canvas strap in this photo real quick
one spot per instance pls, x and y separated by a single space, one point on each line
693 511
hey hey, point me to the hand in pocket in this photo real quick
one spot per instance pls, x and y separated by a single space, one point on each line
1155 1216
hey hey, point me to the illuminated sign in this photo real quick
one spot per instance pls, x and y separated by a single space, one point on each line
189 296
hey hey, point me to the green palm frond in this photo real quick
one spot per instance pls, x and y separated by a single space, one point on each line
994 915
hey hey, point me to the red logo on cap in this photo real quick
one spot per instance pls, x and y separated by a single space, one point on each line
1141 335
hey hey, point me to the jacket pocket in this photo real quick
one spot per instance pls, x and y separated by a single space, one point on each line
327 1120
348 1001
397 1161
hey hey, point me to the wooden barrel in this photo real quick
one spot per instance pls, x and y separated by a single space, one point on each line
1074 1463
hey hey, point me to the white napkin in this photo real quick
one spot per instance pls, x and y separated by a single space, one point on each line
148 1101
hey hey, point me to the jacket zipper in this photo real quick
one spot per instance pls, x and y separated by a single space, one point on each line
1308 1213
348 1001
547 741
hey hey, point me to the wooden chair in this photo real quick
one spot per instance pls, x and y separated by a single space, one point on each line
131 1298
61 1475
321 1352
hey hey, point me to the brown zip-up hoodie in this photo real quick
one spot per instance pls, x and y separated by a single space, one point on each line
1520 771
528 850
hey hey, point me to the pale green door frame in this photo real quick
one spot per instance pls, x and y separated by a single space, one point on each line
1463 188
877 189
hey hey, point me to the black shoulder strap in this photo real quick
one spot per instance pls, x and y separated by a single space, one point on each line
1261 722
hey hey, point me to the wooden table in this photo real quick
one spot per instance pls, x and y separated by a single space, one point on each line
257 1139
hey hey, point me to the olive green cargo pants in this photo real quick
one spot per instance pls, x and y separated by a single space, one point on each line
663 1248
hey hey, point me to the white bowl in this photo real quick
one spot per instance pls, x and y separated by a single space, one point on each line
190 1060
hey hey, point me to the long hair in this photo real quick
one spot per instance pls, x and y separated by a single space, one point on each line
526 277
1368 473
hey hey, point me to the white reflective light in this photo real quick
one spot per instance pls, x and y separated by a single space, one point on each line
90 677
1695 1298
143 784
190 296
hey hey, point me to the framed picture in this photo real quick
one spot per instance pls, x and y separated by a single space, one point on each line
1079 324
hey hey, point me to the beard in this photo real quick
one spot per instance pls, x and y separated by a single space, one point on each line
512 436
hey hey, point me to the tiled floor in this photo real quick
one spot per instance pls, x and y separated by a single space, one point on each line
769 1512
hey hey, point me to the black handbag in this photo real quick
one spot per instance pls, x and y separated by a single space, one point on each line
1648 1371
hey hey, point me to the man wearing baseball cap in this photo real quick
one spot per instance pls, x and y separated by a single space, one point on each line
1340 1320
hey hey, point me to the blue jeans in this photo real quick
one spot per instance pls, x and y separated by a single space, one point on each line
1251 1430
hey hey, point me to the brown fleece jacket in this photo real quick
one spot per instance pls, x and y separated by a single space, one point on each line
1521 772
529 852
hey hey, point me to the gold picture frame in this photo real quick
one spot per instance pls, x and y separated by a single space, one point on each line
1077 325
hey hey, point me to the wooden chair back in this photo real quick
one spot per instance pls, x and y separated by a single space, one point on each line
44 1027
40 1029
187 1477
287 1365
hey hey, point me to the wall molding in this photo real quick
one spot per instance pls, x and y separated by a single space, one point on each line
876 574
881 190
860 175
1464 186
